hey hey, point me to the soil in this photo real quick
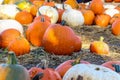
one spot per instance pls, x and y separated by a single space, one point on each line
87 34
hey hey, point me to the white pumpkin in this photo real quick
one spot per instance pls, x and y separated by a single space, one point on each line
73 17
8 11
50 12
7 24
90 72
60 6
1 1
111 11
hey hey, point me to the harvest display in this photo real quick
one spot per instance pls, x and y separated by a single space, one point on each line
59 40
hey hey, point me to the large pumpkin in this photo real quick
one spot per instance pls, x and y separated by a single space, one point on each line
59 39
35 31
13 71
90 72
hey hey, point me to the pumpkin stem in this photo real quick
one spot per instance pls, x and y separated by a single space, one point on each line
42 19
77 61
63 22
63 5
11 58
101 39
117 67
38 76
39 13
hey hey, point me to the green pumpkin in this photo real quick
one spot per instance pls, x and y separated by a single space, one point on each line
13 71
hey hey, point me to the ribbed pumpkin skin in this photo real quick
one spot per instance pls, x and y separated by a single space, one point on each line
35 32
13 72
7 36
59 40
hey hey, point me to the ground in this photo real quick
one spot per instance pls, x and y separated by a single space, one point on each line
87 34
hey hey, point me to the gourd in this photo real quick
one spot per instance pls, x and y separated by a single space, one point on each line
90 72
73 17
9 23
8 11
12 70
50 12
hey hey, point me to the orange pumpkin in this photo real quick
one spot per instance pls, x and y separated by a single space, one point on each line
65 66
24 17
114 18
7 36
116 27
33 10
116 1
44 73
99 47
19 45
88 16
102 20
97 6
108 0
49 3
59 39
36 30
38 3
112 65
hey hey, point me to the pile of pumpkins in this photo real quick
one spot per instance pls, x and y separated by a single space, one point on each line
48 24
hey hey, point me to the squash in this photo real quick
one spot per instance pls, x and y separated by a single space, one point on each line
9 23
23 48
36 30
8 11
73 17
50 12
13 71
59 40
90 72
99 47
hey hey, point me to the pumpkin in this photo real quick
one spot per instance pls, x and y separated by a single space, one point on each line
116 0
97 6
102 20
88 16
8 11
24 17
73 17
111 12
59 40
90 72
72 3
23 48
7 36
49 3
113 65
99 47
66 65
108 0
36 30
43 73
38 3
12 70
6 24
116 28
50 12
114 18
33 10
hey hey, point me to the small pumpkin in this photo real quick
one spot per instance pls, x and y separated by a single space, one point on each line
50 12
99 47
89 16
116 28
59 40
43 73
97 6
12 70
23 48
36 30
73 20
33 10
7 36
113 65
90 72
102 20
24 17
114 18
